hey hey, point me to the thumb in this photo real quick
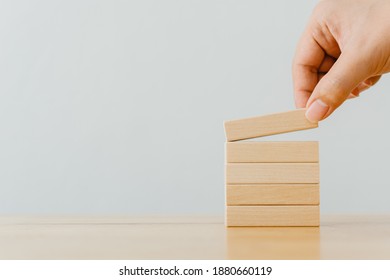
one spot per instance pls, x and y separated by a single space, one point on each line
334 88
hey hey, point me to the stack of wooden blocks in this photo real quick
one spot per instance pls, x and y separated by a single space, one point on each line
271 183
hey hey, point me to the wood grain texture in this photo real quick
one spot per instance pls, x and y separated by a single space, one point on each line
268 194
272 151
348 237
277 243
273 215
267 125
274 173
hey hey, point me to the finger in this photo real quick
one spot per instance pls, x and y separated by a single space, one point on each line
352 96
372 80
334 88
326 64
365 85
320 76
307 60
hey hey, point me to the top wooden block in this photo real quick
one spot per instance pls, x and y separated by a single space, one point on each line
267 125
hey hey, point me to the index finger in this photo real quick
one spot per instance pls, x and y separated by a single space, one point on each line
307 61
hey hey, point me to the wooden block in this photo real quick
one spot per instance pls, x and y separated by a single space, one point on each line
272 152
274 173
267 125
275 243
273 215
268 194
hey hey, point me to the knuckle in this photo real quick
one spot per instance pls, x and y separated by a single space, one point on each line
333 92
321 7
323 13
331 100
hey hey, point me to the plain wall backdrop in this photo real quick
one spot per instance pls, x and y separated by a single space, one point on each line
117 107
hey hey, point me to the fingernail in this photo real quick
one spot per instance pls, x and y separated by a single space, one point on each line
363 87
368 83
352 95
317 111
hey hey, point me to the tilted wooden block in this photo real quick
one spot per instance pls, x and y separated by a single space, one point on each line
272 151
271 194
273 215
264 173
267 125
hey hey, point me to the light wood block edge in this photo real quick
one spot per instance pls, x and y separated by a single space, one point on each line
267 125
265 173
273 216
270 152
273 194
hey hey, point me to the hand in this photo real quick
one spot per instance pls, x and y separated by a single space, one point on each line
343 51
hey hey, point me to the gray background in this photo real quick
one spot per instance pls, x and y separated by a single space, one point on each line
116 107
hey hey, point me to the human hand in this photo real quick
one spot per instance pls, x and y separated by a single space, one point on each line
343 51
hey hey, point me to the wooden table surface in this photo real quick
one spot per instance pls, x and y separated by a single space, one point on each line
339 237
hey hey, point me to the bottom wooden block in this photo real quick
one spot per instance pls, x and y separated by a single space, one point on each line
303 215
